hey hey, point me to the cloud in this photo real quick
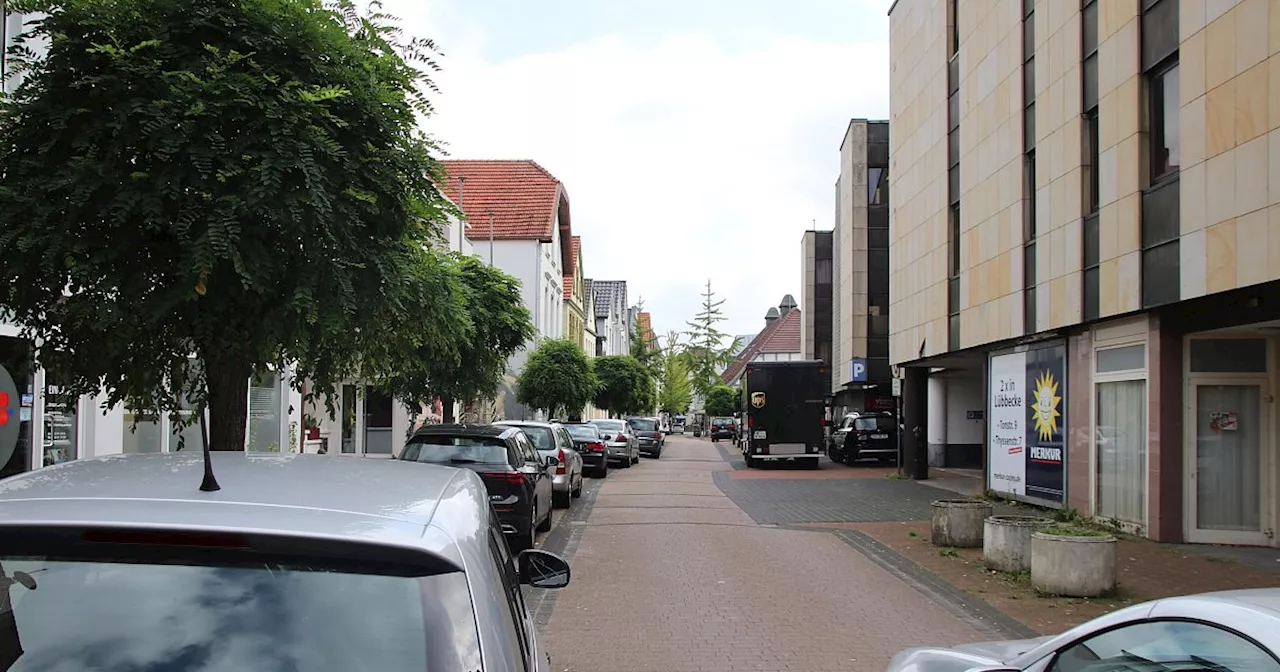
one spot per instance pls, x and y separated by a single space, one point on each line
688 157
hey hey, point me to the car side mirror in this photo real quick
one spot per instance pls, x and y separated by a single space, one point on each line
543 569
550 461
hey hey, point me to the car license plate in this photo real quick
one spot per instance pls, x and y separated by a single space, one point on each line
879 436
759 434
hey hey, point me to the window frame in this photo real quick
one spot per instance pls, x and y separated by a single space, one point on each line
1157 121
1122 336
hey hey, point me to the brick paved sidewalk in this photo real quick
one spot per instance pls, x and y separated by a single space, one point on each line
889 518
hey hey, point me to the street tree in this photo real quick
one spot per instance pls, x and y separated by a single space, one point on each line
496 324
677 393
722 400
706 352
624 386
557 377
242 181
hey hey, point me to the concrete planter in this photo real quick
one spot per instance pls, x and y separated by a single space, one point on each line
1072 562
958 522
1006 541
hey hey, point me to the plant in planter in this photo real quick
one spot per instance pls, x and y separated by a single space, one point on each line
1073 560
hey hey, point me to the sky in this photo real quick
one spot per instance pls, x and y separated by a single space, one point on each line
697 139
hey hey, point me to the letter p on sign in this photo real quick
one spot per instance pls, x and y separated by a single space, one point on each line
858 371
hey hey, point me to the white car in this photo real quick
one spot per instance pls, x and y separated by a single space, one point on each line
1229 631
298 562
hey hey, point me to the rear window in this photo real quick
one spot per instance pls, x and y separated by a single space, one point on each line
189 614
456 450
722 422
875 423
642 425
611 426
583 431
541 437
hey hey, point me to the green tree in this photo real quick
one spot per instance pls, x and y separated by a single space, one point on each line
624 386
496 325
722 400
676 393
706 352
244 181
558 376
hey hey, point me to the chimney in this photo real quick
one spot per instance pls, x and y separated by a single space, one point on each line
770 316
787 305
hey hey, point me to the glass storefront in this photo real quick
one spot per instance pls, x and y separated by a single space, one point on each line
61 423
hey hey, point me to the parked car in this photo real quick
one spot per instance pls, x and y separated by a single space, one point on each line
864 434
722 428
591 446
518 477
363 564
1208 632
552 440
648 436
624 448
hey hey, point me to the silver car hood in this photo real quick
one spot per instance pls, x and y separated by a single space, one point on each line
963 657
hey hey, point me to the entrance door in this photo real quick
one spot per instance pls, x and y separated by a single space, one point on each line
1227 490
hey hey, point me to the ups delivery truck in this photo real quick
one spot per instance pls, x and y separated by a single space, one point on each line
784 405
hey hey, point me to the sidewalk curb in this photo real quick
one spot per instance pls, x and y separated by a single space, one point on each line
983 617
563 540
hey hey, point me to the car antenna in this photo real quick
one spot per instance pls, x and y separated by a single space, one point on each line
210 483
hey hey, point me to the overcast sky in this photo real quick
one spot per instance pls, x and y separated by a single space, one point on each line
697 139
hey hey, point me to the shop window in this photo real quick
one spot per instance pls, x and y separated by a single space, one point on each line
142 431
1229 355
61 423
264 413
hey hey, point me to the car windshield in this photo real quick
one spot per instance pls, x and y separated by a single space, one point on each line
643 425
583 431
874 423
455 449
125 614
541 437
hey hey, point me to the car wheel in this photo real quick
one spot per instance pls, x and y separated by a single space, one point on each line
560 500
545 525
657 454
577 492
523 541
603 471
751 461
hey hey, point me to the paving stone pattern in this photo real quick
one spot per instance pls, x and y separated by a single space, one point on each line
851 500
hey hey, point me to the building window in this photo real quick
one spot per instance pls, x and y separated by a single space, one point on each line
1120 433
953 242
1165 106
954 17
1091 189
877 186
822 271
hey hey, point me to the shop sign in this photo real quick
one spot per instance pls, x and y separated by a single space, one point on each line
1027 426
11 416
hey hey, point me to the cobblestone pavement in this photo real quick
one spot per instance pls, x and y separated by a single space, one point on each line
671 575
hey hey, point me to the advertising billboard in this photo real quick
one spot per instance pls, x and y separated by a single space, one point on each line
1027 423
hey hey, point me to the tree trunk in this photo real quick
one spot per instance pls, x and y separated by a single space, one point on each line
228 381
446 410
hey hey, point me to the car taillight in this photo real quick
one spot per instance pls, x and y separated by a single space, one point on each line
504 476
595 447
560 457
659 436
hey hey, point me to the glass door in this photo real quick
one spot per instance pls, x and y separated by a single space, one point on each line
1227 464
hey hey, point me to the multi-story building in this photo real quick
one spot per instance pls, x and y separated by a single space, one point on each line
860 375
815 295
518 219
1105 330
575 299
613 317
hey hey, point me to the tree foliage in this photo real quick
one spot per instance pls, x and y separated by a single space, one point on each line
495 325
244 181
677 393
624 386
558 376
706 353
722 400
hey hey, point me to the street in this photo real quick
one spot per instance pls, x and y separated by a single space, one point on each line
669 573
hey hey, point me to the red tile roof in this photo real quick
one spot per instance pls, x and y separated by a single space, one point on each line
522 196
780 336
571 265
645 324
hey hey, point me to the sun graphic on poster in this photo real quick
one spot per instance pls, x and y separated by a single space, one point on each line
1045 407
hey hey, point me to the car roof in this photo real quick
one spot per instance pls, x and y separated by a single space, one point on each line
525 423
460 429
392 502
